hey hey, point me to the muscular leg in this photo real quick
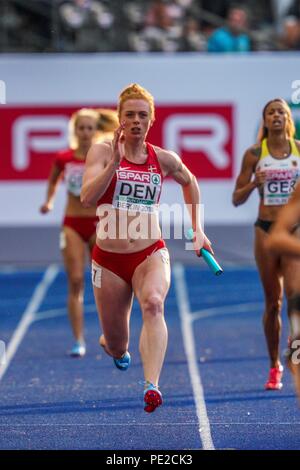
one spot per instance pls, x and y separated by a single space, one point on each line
291 272
74 259
113 298
271 278
151 282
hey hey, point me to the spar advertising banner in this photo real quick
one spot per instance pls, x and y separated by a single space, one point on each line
31 136
207 110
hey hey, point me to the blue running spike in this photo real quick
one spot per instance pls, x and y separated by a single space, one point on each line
124 362
78 350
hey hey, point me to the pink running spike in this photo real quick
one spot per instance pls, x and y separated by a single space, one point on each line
274 380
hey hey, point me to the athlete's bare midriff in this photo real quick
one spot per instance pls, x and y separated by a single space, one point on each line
128 233
74 208
269 213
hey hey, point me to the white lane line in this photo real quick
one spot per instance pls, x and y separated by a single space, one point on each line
28 315
227 310
190 351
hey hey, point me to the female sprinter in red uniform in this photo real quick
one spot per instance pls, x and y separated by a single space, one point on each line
79 224
129 258
275 164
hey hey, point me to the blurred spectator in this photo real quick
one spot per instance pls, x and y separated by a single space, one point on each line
132 21
192 38
233 36
87 25
159 9
290 38
135 14
163 29
75 13
147 25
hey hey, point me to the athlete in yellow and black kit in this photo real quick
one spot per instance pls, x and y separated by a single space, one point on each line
275 164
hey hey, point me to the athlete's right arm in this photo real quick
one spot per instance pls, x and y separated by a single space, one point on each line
53 181
98 173
101 163
244 186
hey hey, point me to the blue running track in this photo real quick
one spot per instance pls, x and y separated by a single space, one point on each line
212 381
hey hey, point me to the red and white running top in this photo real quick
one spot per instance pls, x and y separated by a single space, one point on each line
73 170
135 186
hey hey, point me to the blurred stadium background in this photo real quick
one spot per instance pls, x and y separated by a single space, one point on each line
211 67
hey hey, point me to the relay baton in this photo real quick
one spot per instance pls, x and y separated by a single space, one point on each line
208 257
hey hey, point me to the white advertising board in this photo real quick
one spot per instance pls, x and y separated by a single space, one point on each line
208 110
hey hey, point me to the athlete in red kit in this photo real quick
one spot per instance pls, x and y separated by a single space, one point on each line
124 179
79 225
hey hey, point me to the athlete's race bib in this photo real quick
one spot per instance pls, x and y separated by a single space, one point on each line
137 191
279 185
73 178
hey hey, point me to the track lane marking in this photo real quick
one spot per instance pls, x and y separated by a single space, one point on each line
190 351
28 315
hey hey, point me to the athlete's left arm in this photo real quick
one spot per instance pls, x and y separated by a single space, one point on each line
281 239
173 166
